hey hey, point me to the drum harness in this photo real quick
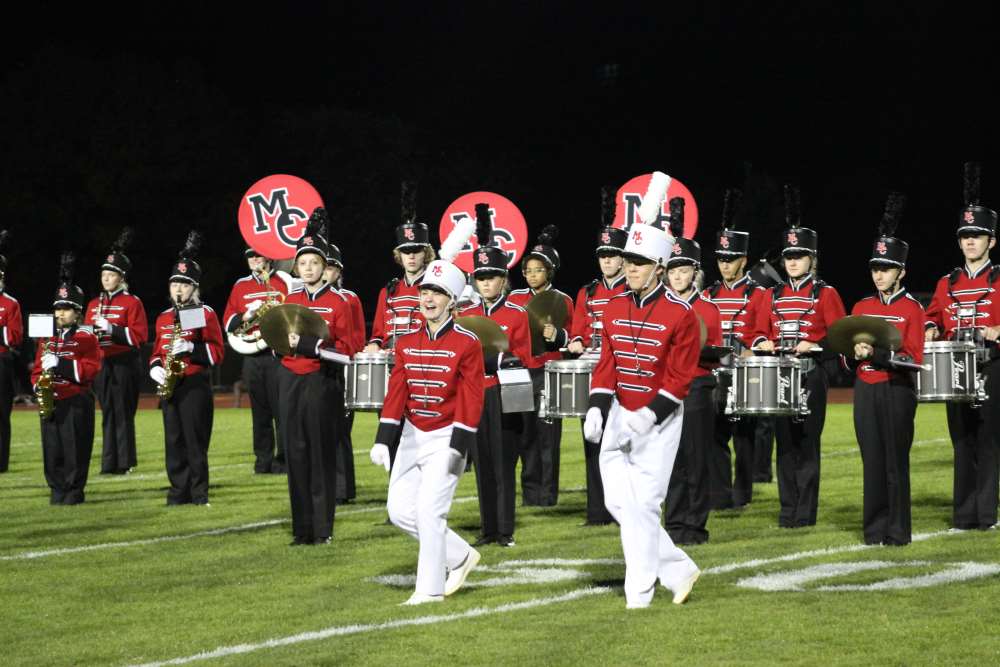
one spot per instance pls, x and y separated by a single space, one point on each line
808 365
748 289
971 332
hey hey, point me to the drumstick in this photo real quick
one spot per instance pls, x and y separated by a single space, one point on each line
909 365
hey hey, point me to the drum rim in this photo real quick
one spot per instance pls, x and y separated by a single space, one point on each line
570 365
949 346
765 362
946 398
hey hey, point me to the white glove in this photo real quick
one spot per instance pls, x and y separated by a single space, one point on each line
49 361
252 308
159 374
102 325
641 421
593 426
380 456
181 346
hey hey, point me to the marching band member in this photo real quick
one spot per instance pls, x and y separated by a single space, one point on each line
795 316
964 308
312 394
11 335
738 298
885 401
346 484
119 320
541 439
262 286
648 358
586 334
397 311
495 453
686 508
435 400
71 361
189 410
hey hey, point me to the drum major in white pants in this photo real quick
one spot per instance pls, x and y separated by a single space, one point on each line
424 476
635 484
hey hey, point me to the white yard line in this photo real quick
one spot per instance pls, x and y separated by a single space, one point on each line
44 553
343 630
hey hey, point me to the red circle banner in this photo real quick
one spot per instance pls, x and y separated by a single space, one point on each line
510 231
630 195
273 214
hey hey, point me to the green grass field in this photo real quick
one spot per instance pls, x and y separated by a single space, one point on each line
122 579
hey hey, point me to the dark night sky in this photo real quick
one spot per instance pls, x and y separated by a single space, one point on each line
164 121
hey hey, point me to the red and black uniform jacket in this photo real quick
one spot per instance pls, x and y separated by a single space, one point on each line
521 297
738 305
965 299
437 382
906 314
247 290
397 312
127 317
649 355
357 319
79 361
11 326
332 306
797 311
514 321
208 347
708 312
590 303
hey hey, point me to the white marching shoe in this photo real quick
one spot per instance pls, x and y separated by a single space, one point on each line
457 576
421 598
681 592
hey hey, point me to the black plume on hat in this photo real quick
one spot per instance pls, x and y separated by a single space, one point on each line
312 239
677 217
116 259
484 225
186 268
793 213
3 240
549 235
894 206
971 181
730 204
408 201
730 242
887 248
607 207
543 249
67 294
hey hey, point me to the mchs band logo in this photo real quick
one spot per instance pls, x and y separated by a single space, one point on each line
273 210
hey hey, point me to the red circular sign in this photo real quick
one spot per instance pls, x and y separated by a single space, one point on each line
273 214
510 232
630 196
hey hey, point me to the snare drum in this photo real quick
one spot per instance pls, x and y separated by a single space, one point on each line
566 392
953 375
367 380
767 386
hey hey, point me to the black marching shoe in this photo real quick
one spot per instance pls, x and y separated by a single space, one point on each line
484 540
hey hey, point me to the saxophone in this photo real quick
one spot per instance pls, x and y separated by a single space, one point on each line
268 304
174 367
44 391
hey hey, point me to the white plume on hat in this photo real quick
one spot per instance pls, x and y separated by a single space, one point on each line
652 203
442 273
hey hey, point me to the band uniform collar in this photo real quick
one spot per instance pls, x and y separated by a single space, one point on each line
442 330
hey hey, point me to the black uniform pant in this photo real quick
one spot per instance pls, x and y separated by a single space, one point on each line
740 489
346 486
687 504
597 511
495 460
883 423
117 388
798 456
312 409
260 377
6 405
187 427
539 452
976 443
763 449
67 443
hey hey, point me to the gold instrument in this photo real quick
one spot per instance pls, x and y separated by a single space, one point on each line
491 336
268 304
44 391
287 318
174 367
548 307
848 331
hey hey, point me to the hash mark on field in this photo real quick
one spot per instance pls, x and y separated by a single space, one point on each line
340 631
828 551
29 555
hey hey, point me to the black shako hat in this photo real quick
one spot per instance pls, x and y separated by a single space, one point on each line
729 242
975 218
796 238
67 294
116 259
684 251
186 268
888 249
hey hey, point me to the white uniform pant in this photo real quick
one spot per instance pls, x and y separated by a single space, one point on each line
424 476
635 484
